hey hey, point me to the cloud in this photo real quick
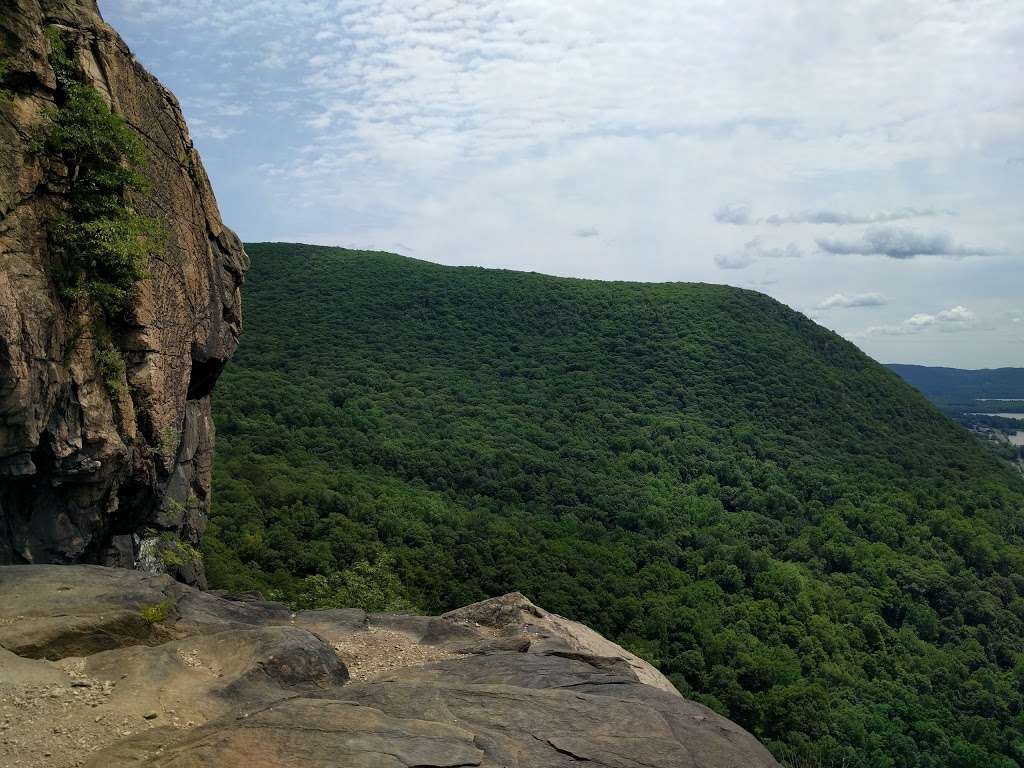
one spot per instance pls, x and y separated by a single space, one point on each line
585 232
956 319
733 214
277 54
753 250
826 216
233 110
841 300
899 244
739 260
959 316
791 251
320 122
201 129
741 216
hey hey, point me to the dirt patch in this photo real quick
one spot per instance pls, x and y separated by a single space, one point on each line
59 723
370 653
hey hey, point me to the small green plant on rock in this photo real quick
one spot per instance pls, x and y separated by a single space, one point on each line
110 365
157 612
167 442
8 44
6 95
173 552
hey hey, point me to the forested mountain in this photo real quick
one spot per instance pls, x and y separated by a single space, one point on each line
789 531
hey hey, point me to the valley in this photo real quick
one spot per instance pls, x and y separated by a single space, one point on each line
968 397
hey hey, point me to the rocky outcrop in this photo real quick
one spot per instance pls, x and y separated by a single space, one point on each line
138 670
85 473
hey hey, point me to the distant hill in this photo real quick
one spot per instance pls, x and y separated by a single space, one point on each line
990 403
789 531
955 385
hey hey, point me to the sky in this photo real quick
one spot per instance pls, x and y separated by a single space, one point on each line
862 162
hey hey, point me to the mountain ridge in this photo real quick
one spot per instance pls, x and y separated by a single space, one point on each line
947 384
780 523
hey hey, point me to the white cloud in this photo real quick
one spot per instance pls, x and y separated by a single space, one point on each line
841 300
755 249
733 214
840 218
201 129
740 260
958 318
741 215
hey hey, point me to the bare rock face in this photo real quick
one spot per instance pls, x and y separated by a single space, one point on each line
138 670
514 616
87 475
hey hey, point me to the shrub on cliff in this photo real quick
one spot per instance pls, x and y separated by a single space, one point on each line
101 242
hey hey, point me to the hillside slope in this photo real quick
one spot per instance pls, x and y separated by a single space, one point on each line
787 530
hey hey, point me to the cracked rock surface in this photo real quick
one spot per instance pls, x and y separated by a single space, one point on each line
83 472
233 681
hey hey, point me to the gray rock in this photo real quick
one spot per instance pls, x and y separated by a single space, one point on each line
52 612
316 733
517 687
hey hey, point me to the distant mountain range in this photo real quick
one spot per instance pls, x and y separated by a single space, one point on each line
989 402
951 386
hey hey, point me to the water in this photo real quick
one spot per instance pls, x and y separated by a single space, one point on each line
1016 416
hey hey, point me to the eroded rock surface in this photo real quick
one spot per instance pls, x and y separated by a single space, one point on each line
238 682
85 473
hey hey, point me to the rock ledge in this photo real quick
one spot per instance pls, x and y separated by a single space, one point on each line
108 667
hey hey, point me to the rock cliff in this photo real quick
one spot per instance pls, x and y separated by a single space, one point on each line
105 462
107 667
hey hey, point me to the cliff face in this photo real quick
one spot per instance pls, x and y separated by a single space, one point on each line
92 470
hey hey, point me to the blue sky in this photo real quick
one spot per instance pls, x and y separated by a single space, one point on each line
861 161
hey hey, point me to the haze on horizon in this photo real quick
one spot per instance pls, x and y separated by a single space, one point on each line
863 163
